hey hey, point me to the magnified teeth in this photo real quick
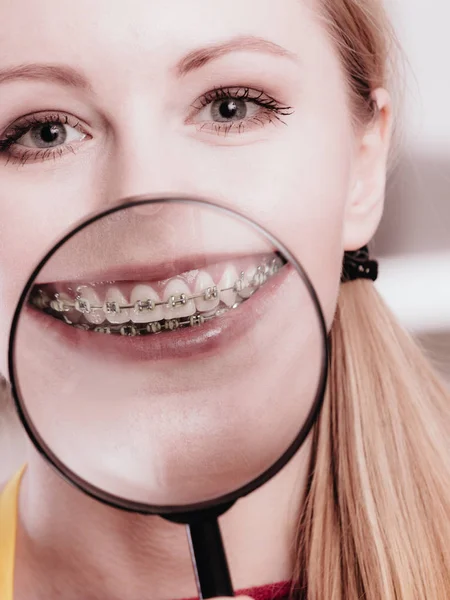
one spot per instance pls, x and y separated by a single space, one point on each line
195 321
70 315
64 305
114 299
87 298
178 299
275 266
260 277
208 292
226 285
149 311
144 299
248 279
57 305
60 303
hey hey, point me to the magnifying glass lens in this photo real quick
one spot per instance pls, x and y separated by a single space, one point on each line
168 358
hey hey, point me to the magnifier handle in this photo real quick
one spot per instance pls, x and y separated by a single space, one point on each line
209 559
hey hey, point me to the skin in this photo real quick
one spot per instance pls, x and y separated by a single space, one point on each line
327 176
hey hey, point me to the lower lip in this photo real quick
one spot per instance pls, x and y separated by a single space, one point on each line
190 342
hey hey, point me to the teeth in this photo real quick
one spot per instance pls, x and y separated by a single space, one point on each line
146 306
205 286
228 280
96 316
260 276
247 280
113 300
69 314
142 296
176 296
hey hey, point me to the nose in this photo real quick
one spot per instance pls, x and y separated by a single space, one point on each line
146 155
151 152
150 173
148 159
142 163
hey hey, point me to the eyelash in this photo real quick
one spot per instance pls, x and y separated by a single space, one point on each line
271 109
24 126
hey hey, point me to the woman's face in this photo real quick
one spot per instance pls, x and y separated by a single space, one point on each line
104 100
133 88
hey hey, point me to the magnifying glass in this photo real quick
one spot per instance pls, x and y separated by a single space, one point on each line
169 356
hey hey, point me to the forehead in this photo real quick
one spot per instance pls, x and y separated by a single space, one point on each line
148 30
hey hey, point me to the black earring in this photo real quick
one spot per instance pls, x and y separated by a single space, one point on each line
358 265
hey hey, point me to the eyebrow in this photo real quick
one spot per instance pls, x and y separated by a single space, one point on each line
59 74
200 57
196 59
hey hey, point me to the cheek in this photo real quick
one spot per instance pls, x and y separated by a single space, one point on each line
36 209
298 191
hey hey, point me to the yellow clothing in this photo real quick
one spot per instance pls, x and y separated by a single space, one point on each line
8 526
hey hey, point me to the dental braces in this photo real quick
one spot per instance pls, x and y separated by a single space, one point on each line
84 306
139 329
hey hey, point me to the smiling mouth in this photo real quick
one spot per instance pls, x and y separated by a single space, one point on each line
138 308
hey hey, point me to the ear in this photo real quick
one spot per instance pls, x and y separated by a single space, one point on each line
365 204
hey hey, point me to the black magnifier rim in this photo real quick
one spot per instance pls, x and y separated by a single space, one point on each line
139 507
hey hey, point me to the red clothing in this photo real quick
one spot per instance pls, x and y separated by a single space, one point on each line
274 591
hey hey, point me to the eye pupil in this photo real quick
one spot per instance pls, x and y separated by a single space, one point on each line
228 109
224 110
49 134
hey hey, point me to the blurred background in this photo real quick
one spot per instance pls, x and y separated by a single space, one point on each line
413 241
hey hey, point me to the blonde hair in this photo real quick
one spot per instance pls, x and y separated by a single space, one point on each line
375 522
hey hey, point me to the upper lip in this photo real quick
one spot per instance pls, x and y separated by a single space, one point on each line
141 271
